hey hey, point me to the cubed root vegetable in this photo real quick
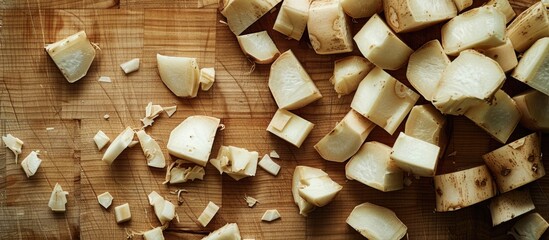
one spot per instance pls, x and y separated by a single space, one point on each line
270 215
291 86
31 164
464 188
372 166
207 79
105 199
535 115
383 100
241 14
229 231
504 54
376 222
58 199
237 162
101 139
376 39
482 27
208 213
516 163
180 74
154 234
510 205
499 117
470 79
427 124
192 139
348 72
269 165
328 27
290 127
533 67
72 55
122 213
415 156
130 66
362 8
529 26
346 138
259 46
425 68
292 18
311 188
531 226
505 7
413 15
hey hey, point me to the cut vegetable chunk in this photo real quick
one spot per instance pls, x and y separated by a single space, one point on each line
464 188
376 222
292 18
151 149
346 138
58 199
208 213
121 142
504 54
237 162
290 127
72 55
415 156
348 72
510 205
425 68
291 86
463 4
154 234
180 74
122 213
270 215
531 226
269 165
207 79
529 26
31 164
376 39
535 115
14 144
516 163
101 139
383 100
329 30
314 186
241 14
413 15
105 199
193 139
372 166
259 46
427 124
533 67
228 232
130 66
362 8
505 7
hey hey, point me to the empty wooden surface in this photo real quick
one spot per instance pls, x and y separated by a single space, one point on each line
35 96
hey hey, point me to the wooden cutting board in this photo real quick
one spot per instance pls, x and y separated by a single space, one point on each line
34 96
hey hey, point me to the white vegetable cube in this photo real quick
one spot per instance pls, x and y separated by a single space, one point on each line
464 188
290 127
193 139
372 166
503 54
291 86
531 226
346 138
482 27
328 27
533 67
383 100
153 196
529 26
208 213
130 66
425 68
269 165
510 205
31 164
376 39
241 14
413 15
415 156
505 7
517 163
164 210
72 55
319 190
362 8
270 215
292 18
499 118
376 222
122 213
179 74
154 234
535 116
348 72
470 79
101 139
229 231
121 142
237 162
105 199
427 124
207 79
259 46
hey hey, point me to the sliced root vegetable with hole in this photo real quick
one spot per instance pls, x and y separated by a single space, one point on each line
259 47
372 166
241 14
292 18
290 84
499 117
348 72
470 79
180 74
415 156
531 226
413 15
383 100
425 68
376 39
535 115
362 8
516 163
72 55
533 67
290 127
121 142
346 138
229 231
426 123
376 222
510 205
328 27
529 26
463 188
192 139
482 27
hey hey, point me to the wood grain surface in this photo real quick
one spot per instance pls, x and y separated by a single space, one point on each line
35 96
